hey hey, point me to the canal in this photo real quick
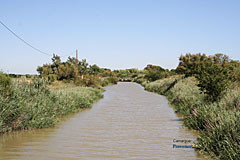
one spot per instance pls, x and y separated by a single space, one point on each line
129 123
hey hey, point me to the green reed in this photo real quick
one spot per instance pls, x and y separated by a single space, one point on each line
34 105
217 122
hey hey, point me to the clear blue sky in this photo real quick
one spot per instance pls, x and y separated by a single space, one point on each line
117 34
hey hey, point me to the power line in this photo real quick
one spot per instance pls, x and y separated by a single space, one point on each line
30 44
24 40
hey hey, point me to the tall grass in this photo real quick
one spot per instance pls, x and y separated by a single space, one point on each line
217 122
33 105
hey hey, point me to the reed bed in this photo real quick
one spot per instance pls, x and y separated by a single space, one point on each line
217 122
34 105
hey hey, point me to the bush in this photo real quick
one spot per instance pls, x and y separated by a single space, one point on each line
214 73
5 85
88 81
112 80
214 80
154 75
28 76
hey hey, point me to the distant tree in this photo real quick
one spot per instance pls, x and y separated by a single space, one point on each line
155 72
76 71
83 67
108 73
151 67
94 69
45 70
67 71
28 76
56 61
192 64
72 60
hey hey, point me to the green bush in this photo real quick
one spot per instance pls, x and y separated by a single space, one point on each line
28 76
214 80
154 75
88 81
214 73
112 80
5 85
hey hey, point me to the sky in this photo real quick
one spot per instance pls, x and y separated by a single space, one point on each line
116 34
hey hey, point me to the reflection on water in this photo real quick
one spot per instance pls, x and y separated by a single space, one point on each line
129 123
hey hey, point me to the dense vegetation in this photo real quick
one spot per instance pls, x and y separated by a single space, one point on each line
214 73
61 88
77 72
206 93
149 73
25 105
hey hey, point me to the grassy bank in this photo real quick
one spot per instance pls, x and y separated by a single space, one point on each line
25 105
217 122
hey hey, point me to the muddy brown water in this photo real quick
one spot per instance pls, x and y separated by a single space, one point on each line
129 123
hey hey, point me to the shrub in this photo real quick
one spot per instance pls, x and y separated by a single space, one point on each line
28 76
5 85
88 81
154 75
112 80
214 73
214 79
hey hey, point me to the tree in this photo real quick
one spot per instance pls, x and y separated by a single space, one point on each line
214 73
94 69
45 70
56 61
72 60
83 67
67 71
155 72
151 67
213 80
191 64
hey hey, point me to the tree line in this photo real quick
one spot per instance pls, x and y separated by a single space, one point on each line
78 72
215 73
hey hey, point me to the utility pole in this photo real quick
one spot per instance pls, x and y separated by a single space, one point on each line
77 55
